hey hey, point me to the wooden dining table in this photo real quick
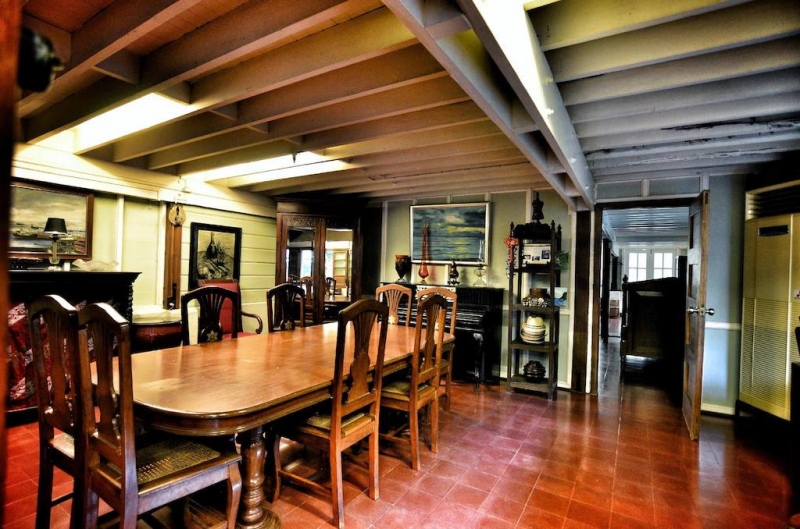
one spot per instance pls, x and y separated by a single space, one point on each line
237 387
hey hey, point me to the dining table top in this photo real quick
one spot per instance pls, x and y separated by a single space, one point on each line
230 386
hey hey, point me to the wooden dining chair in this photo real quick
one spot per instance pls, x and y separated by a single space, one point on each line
351 414
419 391
307 283
211 300
446 366
53 330
226 315
282 300
330 286
132 476
393 295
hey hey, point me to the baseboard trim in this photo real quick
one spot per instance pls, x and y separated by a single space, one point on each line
716 409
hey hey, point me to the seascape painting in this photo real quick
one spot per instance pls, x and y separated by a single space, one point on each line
32 205
455 232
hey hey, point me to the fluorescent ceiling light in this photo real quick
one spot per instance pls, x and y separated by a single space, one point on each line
278 168
140 114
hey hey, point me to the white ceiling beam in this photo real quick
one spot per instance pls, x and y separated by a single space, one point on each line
697 165
718 30
777 141
401 68
411 100
558 26
459 113
714 150
692 117
673 174
678 135
729 90
467 59
361 175
358 39
764 57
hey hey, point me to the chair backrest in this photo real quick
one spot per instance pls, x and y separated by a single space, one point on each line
111 446
428 339
53 330
452 300
393 295
211 299
226 314
353 388
330 286
281 303
307 283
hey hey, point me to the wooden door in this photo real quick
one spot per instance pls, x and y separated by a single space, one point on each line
695 313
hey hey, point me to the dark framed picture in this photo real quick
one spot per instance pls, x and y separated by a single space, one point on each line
33 205
215 252
450 232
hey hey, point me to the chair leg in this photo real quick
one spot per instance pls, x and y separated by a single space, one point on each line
337 493
413 426
374 471
434 411
234 493
448 379
92 506
45 493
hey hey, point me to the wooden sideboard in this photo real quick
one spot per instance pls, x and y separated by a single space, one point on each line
76 287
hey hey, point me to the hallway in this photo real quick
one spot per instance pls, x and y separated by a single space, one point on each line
505 460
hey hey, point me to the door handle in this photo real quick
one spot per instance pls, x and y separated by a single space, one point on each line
701 311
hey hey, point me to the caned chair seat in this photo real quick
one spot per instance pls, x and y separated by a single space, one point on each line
132 476
402 389
322 421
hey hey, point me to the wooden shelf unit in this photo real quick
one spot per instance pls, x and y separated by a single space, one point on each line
524 274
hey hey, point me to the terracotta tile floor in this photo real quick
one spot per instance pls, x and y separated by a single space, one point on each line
517 460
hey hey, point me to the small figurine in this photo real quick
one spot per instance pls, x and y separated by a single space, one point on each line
453 281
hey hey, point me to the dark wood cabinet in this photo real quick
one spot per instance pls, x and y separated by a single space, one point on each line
79 288
315 239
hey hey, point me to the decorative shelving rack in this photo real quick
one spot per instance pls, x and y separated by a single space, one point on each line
533 264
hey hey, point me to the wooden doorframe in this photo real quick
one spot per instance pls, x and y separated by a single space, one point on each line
10 21
597 250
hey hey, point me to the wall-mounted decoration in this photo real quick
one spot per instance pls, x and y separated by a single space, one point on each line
456 232
31 207
214 253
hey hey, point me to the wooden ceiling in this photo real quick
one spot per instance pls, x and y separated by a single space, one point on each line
427 98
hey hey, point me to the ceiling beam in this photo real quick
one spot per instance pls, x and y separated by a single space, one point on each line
717 30
557 25
759 58
470 63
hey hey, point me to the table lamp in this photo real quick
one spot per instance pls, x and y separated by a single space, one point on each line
56 228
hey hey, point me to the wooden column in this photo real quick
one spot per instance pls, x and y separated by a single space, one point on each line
172 264
583 299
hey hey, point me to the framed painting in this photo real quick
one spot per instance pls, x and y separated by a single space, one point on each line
215 252
32 205
450 232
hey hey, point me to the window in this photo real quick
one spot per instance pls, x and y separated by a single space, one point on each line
637 266
663 265
645 264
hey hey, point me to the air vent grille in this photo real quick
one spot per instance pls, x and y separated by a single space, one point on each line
776 202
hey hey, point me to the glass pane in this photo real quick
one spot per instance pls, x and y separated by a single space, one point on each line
658 260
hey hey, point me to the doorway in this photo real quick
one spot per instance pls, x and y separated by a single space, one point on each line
641 246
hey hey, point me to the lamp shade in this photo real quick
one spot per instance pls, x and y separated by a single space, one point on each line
55 226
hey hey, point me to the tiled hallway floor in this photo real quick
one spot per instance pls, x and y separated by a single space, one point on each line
622 459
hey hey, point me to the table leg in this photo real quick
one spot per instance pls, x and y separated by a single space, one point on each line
252 509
